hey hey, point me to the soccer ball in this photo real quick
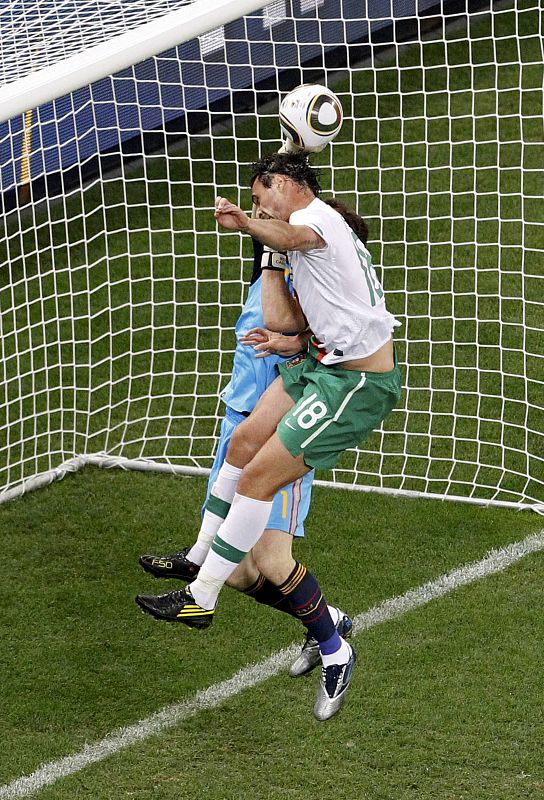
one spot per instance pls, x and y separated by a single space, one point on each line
311 116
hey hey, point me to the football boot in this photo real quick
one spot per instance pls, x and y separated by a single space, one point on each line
310 657
333 687
174 566
176 606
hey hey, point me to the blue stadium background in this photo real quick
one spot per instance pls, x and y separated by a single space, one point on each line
106 116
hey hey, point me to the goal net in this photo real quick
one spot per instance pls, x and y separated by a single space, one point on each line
118 298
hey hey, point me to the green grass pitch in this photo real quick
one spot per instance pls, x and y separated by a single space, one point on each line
445 703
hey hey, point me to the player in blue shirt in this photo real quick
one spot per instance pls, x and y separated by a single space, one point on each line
251 375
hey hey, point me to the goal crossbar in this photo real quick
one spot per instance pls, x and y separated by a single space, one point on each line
118 53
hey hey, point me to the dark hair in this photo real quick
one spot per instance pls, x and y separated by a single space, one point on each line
355 222
293 165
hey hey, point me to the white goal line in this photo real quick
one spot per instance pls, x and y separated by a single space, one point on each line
48 774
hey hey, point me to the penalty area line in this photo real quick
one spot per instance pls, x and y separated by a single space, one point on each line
495 561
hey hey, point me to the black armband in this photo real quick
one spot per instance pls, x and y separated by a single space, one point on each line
273 260
257 258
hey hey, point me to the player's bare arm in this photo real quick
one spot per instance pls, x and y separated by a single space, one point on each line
273 233
281 311
282 235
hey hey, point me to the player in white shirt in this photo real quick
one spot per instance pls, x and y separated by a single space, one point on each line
321 404
338 288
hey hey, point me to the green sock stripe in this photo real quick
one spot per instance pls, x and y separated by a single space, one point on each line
226 550
217 506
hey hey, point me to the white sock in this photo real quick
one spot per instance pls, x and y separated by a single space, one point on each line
240 531
223 489
341 656
210 525
335 615
206 587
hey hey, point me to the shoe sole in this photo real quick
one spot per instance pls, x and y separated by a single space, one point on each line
199 625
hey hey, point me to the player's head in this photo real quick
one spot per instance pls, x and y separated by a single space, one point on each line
281 183
355 222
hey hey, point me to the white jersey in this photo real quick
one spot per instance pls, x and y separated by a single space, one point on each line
338 289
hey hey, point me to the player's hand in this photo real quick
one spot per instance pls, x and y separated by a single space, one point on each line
289 148
268 343
230 216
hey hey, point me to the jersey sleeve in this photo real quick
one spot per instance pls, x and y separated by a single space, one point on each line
313 220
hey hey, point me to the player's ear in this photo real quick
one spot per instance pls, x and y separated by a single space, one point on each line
281 181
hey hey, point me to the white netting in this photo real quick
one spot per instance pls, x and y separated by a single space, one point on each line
118 297
38 33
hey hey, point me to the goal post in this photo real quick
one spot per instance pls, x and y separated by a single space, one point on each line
118 297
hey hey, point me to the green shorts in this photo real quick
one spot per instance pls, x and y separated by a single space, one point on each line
335 408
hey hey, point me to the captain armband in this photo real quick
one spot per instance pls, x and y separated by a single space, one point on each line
273 260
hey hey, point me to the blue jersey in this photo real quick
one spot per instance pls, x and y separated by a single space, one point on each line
250 375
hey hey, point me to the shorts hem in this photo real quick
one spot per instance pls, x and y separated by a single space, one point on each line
279 431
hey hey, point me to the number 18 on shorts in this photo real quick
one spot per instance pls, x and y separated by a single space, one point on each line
335 408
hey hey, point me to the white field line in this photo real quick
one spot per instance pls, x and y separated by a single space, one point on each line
494 561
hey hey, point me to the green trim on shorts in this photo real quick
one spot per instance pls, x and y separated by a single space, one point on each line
335 408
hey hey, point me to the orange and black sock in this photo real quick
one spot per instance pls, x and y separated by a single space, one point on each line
307 603
265 592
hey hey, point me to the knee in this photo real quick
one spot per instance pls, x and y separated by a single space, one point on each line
242 446
255 482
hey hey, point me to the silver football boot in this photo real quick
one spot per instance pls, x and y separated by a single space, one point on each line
333 687
310 657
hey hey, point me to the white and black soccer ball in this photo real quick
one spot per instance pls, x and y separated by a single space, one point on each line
311 116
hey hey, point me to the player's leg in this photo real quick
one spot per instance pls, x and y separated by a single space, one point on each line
242 528
289 511
239 534
241 531
245 441
340 409
297 585
185 563
274 552
273 557
240 439
270 469
240 436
